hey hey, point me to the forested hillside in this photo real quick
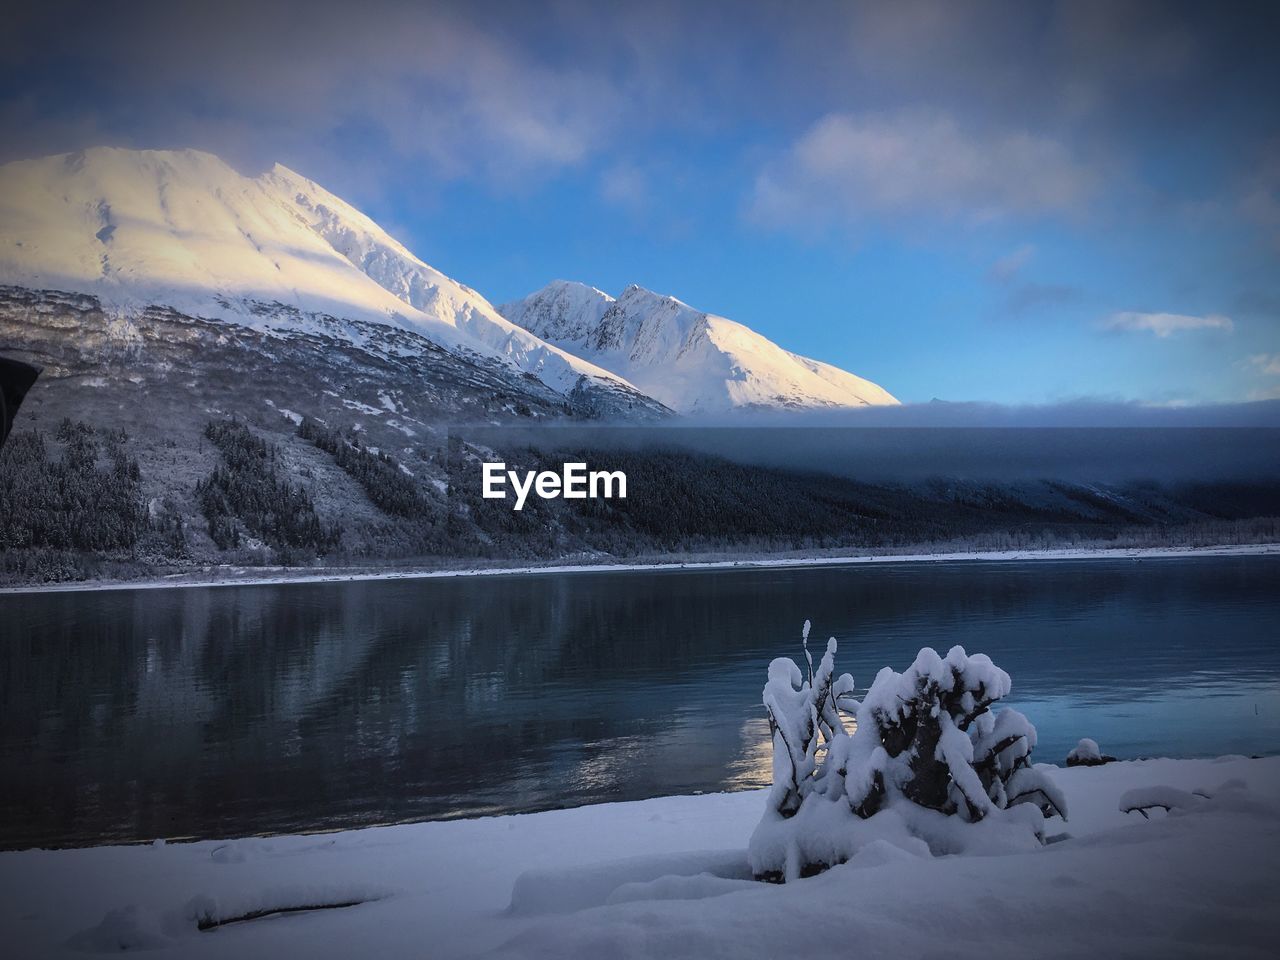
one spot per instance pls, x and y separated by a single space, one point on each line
85 501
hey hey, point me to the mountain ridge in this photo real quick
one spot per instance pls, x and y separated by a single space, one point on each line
277 252
183 229
691 360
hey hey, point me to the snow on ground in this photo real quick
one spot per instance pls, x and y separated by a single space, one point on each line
290 415
668 878
362 407
245 576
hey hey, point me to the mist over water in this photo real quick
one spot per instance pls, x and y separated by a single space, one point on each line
1080 414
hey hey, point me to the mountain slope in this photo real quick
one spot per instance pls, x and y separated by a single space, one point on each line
182 229
692 361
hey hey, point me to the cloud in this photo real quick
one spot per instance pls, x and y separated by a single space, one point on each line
437 86
1022 296
1011 264
1166 324
851 167
1268 363
623 185
1087 53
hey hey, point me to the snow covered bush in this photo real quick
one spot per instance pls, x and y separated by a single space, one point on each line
928 766
1087 753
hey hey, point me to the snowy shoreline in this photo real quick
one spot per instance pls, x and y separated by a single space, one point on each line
274 576
667 878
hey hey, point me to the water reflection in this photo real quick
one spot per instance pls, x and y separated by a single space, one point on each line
135 714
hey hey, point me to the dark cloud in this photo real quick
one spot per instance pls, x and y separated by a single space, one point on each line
1134 64
1118 108
503 89
462 90
905 116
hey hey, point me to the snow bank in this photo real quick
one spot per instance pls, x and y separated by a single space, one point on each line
120 930
257 576
652 877
1198 883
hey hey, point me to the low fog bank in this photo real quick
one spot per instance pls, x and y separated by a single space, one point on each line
939 413
973 442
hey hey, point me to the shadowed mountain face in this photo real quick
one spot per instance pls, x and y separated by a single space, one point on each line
163 291
405 384
170 443
161 377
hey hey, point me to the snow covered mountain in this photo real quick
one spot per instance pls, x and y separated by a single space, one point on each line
692 361
278 253
183 231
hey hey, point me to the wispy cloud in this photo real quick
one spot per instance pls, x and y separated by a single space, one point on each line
850 167
1166 324
1022 295
626 186
1268 363
1011 264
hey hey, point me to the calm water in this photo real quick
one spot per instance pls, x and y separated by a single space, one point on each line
215 712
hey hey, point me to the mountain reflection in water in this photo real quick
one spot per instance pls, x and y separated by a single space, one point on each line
236 710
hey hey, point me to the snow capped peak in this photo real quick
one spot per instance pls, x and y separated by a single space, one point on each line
576 287
634 291
182 228
563 312
690 360
104 159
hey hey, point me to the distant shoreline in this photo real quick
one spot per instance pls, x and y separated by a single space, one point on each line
276 576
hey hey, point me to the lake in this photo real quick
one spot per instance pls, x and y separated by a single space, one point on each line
208 712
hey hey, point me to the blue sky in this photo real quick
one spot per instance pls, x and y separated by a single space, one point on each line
1010 202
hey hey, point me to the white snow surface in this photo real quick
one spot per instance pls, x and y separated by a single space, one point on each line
667 878
692 361
185 230
238 576
1086 749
